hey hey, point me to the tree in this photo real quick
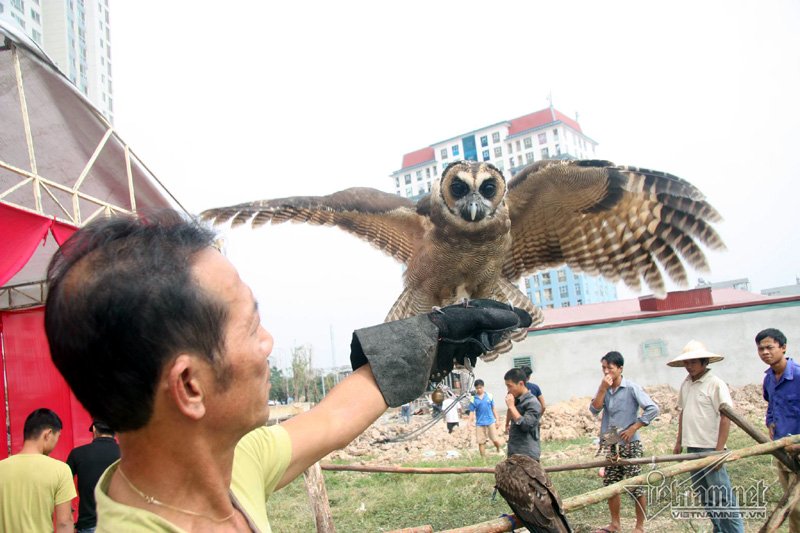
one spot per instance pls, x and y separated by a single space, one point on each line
279 390
301 371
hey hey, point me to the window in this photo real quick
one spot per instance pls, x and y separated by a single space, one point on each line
555 133
407 178
563 291
548 295
428 173
498 151
510 148
535 281
542 138
500 166
558 149
578 289
519 146
528 142
529 157
36 35
580 301
419 175
523 360
444 153
546 277
429 186
454 149
409 191
484 141
562 275
496 137
545 153
18 4
510 162
435 170
397 181
35 16
485 155
527 283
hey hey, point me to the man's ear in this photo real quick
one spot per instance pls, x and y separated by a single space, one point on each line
187 384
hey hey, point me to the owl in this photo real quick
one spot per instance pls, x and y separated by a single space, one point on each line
475 235
527 489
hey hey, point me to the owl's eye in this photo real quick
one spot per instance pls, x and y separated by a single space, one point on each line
488 189
458 188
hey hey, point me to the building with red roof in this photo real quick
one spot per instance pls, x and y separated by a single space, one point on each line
509 145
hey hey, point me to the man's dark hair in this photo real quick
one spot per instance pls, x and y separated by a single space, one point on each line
776 334
478 382
528 371
614 358
516 375
122 303
39 421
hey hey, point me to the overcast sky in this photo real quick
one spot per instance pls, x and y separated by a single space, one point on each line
237 101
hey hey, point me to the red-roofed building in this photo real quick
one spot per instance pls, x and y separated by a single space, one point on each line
565 350
509 145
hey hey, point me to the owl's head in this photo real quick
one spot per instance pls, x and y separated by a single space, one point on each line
471 190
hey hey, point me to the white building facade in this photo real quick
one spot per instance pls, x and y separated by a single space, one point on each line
76 35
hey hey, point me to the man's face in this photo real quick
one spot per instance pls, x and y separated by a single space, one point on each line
516 389
242 400
479 389
694 367
611 370
770 351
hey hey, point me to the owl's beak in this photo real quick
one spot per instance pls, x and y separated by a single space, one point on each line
473 209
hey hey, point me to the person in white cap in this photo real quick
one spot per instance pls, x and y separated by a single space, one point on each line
702 428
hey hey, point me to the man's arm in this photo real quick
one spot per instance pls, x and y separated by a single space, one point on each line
724 429
496 418
678 448
541 401
597 402
63 518
340 417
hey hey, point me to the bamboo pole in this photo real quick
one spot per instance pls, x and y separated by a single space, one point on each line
790 498
757 435
584 500
318 496
490 469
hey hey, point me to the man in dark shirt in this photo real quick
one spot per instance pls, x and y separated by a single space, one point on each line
88 462
524 412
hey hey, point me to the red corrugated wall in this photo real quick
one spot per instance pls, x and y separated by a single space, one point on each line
33 382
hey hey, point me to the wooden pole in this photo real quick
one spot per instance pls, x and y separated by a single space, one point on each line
757 435
418 529
490 469
596 496
318 496
785 506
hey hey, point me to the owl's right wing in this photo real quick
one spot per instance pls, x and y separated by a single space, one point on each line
387 221
620 222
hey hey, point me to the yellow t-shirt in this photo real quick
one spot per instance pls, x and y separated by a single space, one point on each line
260 460
31 485
699 403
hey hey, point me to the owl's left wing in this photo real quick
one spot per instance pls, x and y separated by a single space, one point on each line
620 222
387 221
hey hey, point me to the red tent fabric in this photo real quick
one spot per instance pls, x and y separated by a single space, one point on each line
36 382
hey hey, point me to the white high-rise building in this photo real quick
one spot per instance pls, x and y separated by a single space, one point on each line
76 36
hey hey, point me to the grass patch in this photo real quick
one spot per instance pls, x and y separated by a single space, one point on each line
383 502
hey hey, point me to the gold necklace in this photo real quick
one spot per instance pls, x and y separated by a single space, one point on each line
153 501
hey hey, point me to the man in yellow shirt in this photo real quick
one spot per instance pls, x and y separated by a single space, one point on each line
33 486
157 335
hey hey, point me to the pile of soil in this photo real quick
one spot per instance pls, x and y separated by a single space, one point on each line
562 421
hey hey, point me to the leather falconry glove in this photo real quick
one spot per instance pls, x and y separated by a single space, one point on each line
405 354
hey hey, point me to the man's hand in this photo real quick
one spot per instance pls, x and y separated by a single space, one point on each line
509 400
627 435
771 431
606 382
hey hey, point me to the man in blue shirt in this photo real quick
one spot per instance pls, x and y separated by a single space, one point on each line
620 400
782 393
483 414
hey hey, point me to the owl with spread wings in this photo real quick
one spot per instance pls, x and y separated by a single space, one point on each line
475 235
